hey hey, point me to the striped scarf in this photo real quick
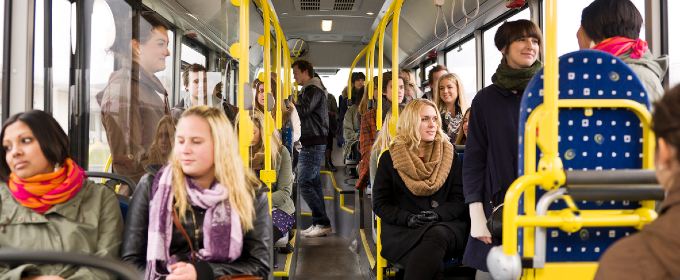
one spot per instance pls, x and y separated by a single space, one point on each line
43 191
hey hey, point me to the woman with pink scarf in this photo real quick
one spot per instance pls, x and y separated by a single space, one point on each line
613 26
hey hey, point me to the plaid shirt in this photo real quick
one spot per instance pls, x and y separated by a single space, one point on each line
367 136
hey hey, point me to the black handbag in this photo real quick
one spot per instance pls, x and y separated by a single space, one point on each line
495 223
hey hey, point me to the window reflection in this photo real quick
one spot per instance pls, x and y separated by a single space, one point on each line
128 98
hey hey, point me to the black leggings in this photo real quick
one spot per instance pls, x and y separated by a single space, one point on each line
426 257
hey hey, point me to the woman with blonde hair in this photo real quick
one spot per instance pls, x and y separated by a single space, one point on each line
418 194
450 99
282 203
202 216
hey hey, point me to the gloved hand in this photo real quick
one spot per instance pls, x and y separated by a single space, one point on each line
414 221
478 227
429 216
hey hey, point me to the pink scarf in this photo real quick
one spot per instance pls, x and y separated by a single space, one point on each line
620 45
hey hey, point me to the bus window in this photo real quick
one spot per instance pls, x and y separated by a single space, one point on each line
461 60
63 12
103 36
192 56
569 20
2 35
673 45
492 57
166 75
39 57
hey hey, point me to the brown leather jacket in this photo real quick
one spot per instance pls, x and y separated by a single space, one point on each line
132 104
653 253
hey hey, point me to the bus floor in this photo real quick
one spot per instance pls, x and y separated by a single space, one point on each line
330 257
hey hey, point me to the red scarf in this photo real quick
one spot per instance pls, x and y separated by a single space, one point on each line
43 191
620 45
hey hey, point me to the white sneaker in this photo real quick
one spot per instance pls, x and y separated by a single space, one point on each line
282 241
309 229
319 231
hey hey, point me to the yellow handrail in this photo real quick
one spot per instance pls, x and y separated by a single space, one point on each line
381 46
395 67
239 50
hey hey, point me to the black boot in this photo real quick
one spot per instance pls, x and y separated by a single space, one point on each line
330 166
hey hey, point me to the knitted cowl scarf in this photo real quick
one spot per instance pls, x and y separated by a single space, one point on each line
514 79
423 176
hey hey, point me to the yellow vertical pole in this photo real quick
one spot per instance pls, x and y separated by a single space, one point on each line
240 51
267 175
381 53
395 67
279 101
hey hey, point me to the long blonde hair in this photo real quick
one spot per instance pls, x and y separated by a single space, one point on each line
408 125
240 182
382 140
460 100
258 119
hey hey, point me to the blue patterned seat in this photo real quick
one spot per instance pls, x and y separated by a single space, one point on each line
604 139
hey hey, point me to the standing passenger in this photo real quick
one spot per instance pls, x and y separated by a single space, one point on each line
613 26
418 194
134 100
654 252
490 163
47 202
313 110
450 100
199 217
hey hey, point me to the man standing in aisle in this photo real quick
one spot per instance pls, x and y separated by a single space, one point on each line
313 110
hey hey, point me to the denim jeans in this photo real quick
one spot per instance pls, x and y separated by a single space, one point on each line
309 182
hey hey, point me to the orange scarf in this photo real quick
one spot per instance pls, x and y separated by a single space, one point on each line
43 191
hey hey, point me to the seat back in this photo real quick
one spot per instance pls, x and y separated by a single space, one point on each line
589 139
112 181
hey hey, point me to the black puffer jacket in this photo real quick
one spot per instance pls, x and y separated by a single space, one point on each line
313 111
254 259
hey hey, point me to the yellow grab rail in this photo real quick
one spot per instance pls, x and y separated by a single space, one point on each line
239 50
395 67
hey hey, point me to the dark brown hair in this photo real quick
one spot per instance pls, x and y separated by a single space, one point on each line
304 66
387 77
511 31
604 19
435 70
53 141
666 118
193 68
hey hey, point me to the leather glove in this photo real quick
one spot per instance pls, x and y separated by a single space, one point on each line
429 216
414 221
478 228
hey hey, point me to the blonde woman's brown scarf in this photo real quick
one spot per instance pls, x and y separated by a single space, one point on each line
423 177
